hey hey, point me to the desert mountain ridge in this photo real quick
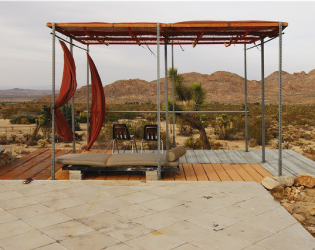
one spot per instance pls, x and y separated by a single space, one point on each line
220 87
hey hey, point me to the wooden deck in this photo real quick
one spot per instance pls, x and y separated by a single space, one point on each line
197 165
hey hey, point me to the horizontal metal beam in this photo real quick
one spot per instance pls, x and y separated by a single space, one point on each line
177 112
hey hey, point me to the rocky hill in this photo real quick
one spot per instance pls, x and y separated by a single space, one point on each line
222 87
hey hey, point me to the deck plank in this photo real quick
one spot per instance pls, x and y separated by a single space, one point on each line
235 176
21 161
201 156
180 176
212 156
253 172
244 159
168 176
221 172
15 172
233 156
191 156
242 172
189 172
223 156
200 172
211 173
261 170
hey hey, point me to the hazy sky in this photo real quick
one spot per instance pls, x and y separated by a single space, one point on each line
25 44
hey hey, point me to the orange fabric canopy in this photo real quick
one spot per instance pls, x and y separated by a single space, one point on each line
192 32
67 89
97 113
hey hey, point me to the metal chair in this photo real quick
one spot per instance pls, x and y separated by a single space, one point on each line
121 133
150 134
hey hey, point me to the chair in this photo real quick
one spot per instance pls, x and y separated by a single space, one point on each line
121 133
150 134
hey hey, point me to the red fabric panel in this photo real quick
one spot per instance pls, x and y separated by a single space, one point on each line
97 113
67 89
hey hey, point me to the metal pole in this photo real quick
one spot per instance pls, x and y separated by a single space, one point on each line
173 96
280 101
72 107
158 100
263 100
246 114
87 97
53 105
166 97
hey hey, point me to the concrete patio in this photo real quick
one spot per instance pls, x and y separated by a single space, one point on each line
127 215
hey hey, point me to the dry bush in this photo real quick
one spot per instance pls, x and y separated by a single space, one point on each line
310 149
252 142
13 137
6 157
42 143
285 145
216 145
3 138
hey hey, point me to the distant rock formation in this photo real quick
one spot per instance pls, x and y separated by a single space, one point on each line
221 87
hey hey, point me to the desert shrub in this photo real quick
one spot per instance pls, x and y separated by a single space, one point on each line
255 130
13 137
26 136
252 142
310 149
193 143
42 143
3 138
82 118
23 119
216 145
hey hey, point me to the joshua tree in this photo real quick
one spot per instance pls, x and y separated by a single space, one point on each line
193 98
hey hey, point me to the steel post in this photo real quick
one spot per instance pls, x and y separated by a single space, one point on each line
53 104
173 97
166 96
72 107
246 113
87 97
158 100
280 101
263 101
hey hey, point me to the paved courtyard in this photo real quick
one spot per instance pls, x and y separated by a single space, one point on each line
58 215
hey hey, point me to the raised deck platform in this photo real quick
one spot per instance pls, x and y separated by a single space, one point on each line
197 165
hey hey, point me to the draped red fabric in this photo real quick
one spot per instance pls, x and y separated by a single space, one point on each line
97 113
67 89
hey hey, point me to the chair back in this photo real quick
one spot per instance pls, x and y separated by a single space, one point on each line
120 132
150 132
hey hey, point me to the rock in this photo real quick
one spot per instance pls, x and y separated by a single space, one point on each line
287 191
307 180
289 207
277 192
270 183
312 211
286 181
311 229
299 217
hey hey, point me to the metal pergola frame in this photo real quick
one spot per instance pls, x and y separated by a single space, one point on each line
192 33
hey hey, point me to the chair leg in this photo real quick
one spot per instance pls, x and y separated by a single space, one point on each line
135 145
117 146
141 145
113 146
132 146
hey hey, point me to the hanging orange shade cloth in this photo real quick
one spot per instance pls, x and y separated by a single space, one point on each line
67 89
97 113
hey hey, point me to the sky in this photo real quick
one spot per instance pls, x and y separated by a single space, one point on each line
26 48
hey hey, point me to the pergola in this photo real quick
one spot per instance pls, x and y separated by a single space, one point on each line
193 33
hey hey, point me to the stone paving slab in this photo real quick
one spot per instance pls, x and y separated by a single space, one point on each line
128 215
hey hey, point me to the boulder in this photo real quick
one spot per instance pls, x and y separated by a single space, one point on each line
270 183
312 211
277 192
286 181
289 207
307 180
299 217
311 230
